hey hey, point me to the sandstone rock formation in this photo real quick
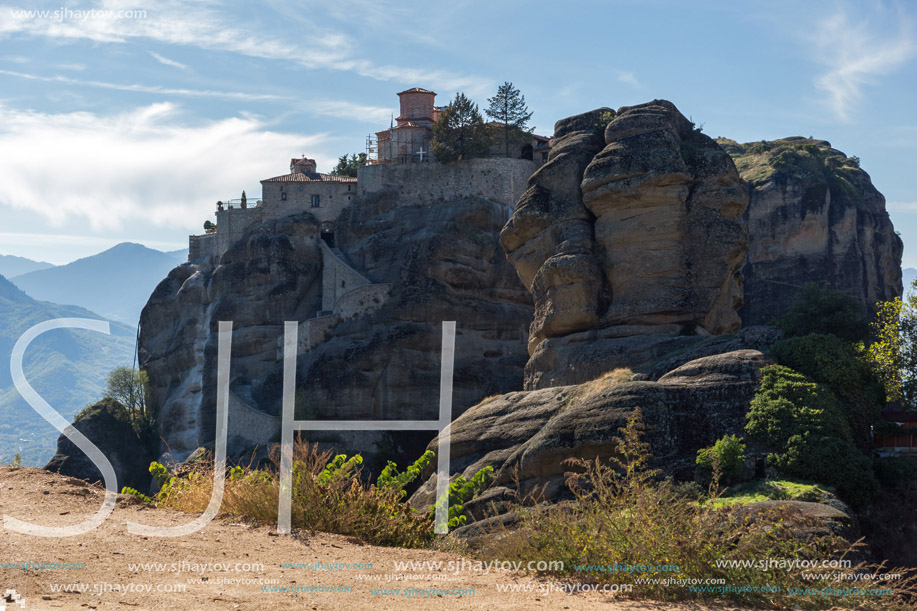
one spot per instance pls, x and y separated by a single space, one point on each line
443 261
550 238
525 436
814 216
632 229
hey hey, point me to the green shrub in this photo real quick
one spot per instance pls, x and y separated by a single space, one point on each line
728 453
828 360
787 403
390 478
825 311
895 472
136 493
328 495
803 422
832 461
461 491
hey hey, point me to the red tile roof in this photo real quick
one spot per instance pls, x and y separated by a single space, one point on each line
310 177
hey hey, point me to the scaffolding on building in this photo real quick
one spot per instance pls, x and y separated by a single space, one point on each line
372 149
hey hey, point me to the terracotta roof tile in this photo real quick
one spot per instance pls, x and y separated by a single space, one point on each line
310 177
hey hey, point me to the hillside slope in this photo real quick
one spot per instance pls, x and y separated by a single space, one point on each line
66 367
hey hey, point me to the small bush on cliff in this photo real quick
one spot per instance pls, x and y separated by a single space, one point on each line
625 526
825 311
727 455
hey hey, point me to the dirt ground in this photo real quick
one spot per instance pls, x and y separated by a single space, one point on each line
229 565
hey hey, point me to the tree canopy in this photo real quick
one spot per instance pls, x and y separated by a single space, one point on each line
130 387
459 132
348 166
894 349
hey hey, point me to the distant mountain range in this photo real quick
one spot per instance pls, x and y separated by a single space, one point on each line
11 265
66 367
115 283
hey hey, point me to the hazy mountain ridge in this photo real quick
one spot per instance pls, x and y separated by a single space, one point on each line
115 283
66 367
12 266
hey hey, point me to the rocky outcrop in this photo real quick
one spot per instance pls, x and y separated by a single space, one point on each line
525 436
632 229
668 204
814 216
550 238
130 456
270 276
443 263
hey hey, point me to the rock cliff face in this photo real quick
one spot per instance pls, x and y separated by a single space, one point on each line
814 216
444 262
271 276
633 228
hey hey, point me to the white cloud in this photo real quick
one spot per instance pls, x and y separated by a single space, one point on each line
145 164
196 93
204 25
169 62
630 78
903 207
855 52
341 109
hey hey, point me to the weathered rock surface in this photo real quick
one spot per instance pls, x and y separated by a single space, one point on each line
271 276
632 229
527 435
129 455
814 216
444 263
668 204
550 238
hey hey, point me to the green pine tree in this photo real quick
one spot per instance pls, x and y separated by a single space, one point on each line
508 109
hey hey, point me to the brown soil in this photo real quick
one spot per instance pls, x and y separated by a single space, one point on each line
107 553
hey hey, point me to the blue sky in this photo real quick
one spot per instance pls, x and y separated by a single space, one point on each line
129 123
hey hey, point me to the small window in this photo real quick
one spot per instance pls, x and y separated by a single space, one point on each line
283 196
300 187
316 201
544 158
348 187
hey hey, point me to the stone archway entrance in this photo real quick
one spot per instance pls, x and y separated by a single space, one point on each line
327 234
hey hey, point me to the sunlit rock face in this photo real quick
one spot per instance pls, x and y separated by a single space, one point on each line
633 228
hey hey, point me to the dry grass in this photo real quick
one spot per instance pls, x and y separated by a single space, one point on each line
335 502
624 515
